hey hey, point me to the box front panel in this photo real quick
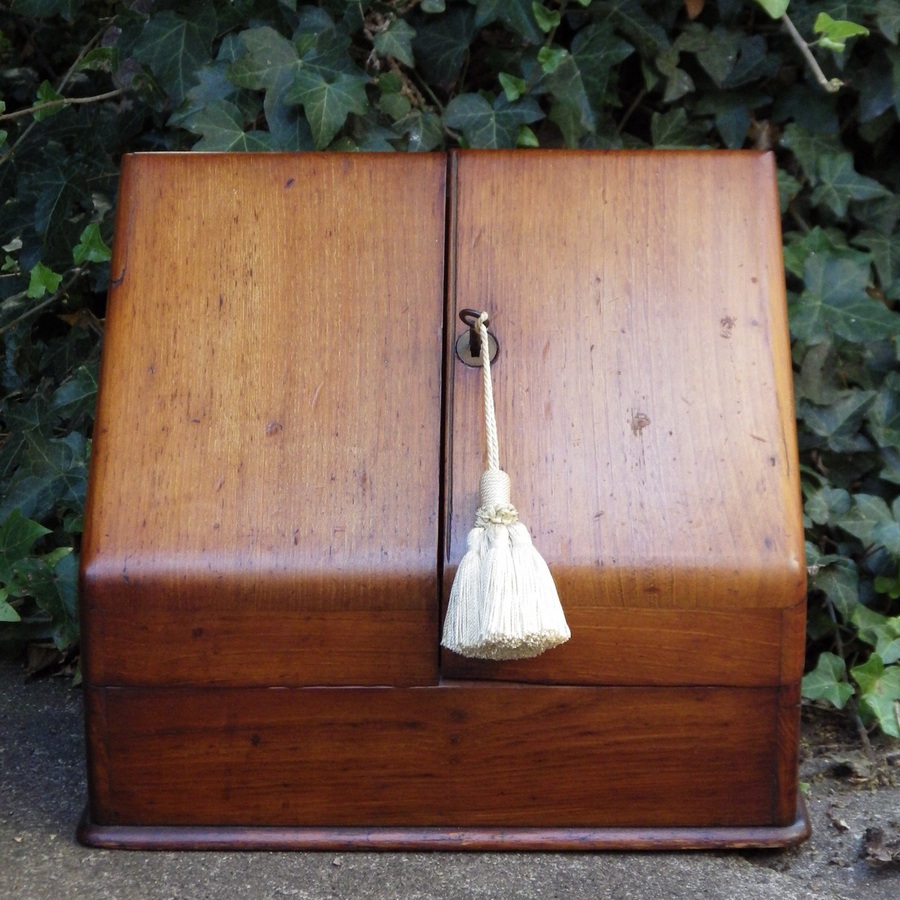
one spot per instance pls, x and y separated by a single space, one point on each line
454 756
264 492
644 405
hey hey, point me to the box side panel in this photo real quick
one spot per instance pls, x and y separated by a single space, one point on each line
98 773
267 440
787 767
444 756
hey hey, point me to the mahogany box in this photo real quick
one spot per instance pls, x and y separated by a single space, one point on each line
285 465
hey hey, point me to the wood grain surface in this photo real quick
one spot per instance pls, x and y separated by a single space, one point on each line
286 462
267 441
643 385
418 839
453 755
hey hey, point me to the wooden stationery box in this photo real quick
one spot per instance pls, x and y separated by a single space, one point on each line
285 465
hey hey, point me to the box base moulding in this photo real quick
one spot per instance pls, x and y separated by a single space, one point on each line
212 838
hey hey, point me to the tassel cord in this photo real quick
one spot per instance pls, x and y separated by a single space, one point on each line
490 417
495 508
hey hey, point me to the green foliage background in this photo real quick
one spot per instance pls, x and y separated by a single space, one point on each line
83 81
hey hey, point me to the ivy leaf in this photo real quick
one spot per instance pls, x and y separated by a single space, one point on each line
887 534
716 51
52 581
835 302
887 15
396 41
319 75
885 250
732 111
754 62
101 59
841 183
221 126
327 101
91 247
836 32
818 379
175 47
640 28
550 58
77 395
672 129
825 503
270 59
490 127
42 280
876 89
879 692
800 249
867 513
840 583
527 138
17 536
7 612
808 147
513 87
58 194
395 105
571 109
516 15
546 19
596 50
839 422
884 416
288 127
212 84
52 473
775 8
828 681
422 130
880 632
678 81
42 9
46 94
441 45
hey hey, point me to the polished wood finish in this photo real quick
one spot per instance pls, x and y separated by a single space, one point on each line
457 755
285 466
739 647
643 385
268 430
225 837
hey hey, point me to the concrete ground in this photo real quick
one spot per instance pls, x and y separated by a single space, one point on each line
42 794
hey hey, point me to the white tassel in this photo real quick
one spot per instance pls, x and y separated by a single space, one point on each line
503 603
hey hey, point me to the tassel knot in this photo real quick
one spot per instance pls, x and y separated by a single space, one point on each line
495 507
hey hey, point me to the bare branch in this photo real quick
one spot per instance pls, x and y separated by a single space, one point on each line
832 85
63 101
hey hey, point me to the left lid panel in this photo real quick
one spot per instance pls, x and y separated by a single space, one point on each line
263 501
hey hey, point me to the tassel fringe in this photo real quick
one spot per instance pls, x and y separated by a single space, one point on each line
503 603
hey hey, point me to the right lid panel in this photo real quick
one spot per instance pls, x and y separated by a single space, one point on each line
644 407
